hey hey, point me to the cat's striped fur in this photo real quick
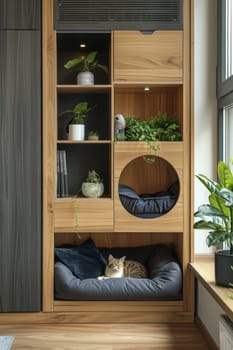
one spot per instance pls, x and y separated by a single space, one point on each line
119 268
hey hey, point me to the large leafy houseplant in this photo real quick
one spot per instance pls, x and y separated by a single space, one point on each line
217 217
84 64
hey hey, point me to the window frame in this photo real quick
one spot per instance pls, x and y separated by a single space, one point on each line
224 87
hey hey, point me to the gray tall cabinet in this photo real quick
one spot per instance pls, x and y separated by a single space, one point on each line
20 155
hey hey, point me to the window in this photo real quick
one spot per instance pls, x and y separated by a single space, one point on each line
225 78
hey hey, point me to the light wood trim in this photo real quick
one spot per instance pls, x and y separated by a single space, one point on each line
96 317
83 142
49 137
118 306
83 89
188 283
155 57
203 269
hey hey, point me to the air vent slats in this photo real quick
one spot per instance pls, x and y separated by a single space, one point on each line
118 14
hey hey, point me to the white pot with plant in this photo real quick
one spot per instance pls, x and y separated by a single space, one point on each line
93 135
85 65
93 187
77 123
217 218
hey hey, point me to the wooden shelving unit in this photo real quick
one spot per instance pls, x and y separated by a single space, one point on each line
161 62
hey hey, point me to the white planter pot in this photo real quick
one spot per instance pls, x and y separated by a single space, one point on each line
92 190
85 78
76 132
93 137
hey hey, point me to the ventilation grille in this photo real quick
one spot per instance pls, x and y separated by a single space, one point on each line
84 15
225 333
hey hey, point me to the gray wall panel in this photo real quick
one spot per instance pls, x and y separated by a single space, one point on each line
20 171
20 14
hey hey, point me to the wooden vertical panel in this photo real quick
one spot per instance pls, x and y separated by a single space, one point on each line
20 171
188 181
49 150
20 14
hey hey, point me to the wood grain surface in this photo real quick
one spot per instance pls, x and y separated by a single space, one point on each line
106 337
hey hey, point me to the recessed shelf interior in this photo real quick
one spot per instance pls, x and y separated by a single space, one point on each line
98 119
133 100
68 47
84 157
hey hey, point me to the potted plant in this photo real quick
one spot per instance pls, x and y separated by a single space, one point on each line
77 123
84 65
217 218
93 187
93 135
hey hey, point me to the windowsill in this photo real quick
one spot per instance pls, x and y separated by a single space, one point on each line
203 269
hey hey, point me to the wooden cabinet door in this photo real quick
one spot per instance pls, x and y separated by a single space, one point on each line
156 57
20 14
20 171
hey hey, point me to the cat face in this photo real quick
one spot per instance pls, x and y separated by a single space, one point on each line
115 264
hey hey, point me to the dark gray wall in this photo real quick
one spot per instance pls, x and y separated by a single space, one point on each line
20 14
20 170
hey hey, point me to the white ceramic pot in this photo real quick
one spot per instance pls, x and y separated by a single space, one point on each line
85 78
93 137
76 132
92 190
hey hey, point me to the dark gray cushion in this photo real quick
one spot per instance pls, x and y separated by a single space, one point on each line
165 282
84 260
148 205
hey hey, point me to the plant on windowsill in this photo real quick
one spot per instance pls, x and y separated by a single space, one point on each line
84 64
77 122
93 187
217 218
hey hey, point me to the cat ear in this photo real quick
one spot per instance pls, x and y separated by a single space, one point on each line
123 258
110 257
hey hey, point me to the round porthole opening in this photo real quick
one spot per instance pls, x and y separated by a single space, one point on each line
148 187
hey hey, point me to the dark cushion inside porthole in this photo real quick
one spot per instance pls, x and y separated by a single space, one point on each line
148 205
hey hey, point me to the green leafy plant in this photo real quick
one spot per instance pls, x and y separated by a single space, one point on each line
85 63
93 133
93 177
139 130
217 216
167 128
79 112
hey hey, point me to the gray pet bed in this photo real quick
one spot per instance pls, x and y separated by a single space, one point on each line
73 283
148 205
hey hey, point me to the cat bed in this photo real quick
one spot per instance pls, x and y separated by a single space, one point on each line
76 280
148 205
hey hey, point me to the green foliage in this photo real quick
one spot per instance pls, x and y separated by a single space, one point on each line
85 63
157 128
167 128
93 177
217 216
79 112
93 133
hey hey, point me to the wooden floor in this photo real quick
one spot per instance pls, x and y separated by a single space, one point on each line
106 337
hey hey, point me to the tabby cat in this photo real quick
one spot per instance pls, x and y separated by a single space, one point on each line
117 268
